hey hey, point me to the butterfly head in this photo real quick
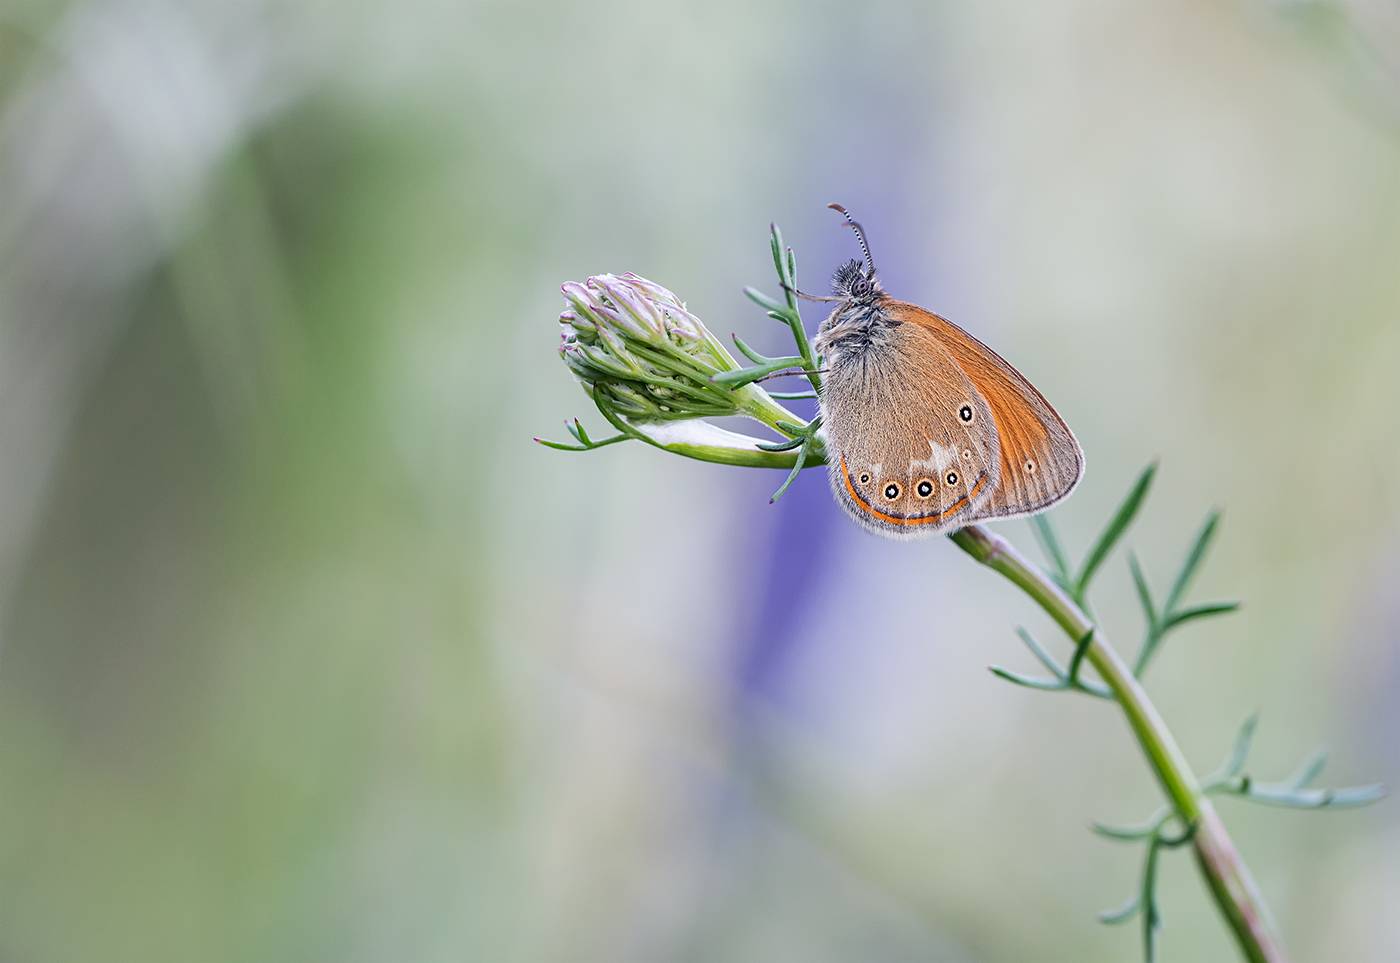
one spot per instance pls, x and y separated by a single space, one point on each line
857 284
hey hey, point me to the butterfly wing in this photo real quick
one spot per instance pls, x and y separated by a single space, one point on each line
903 461
1040 461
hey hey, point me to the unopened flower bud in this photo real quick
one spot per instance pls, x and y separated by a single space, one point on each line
634 343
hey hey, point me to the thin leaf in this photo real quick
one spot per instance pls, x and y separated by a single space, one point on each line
605 408
796 469
1144 592
737 379
1201 611
1045 534
788 445
1313 798
1355 796
581 435
792 395
1187 833
1030 682
1193 560
1143 830
1081 684
1240 753
803 429
1094 689
560 446
1121 914
1308 771
775 238
1046 659
748 352
763 300
1115 529
1081 648
1151 919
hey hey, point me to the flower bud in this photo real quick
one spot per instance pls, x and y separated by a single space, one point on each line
635 344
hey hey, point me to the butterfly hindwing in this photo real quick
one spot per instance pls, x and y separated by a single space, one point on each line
912 444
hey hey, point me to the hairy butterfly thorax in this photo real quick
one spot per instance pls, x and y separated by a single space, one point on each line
861 320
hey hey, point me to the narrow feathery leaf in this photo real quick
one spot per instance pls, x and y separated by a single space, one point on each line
1192 562
1201 611
1121 914
1045 534
1122 518
1030 682
763 300
1144 592
1308 771
796 469
748 352
1240 753
1143 830
1046 659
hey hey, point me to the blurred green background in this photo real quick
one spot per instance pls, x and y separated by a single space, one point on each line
310 653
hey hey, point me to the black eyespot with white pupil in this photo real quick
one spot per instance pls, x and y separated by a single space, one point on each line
891 491
865 478
965 413
951 478
925 488
1030 466
967 454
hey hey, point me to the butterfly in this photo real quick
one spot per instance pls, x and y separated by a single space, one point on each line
926 428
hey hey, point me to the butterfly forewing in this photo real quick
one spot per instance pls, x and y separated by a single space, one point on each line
1039 460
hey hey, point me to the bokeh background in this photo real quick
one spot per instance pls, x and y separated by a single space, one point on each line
309 652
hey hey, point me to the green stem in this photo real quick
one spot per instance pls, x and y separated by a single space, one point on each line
760 406
717 445
1225 871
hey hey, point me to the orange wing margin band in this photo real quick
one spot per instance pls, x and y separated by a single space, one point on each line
917 520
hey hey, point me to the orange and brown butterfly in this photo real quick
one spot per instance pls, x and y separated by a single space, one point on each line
927 429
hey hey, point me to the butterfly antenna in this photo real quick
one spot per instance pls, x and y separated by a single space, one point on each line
860 233
809 297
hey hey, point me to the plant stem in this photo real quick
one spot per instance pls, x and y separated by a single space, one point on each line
1225 871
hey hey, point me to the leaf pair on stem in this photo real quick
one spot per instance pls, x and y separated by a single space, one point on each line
1231 779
